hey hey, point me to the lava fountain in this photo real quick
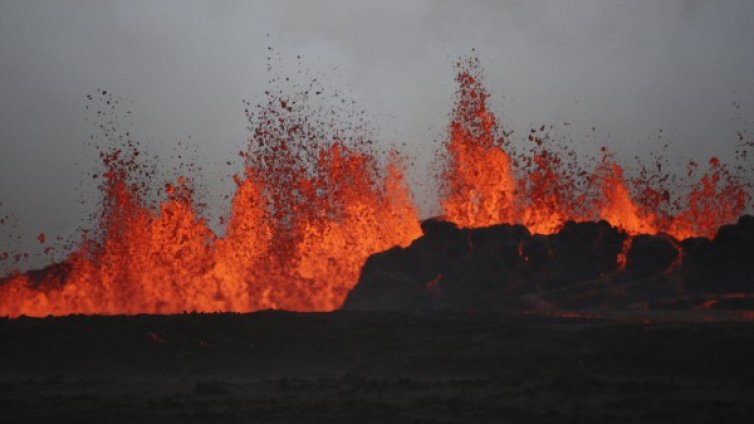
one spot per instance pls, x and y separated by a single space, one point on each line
306 214
481 184
313 204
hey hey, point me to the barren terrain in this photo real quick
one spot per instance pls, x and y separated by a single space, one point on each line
344 367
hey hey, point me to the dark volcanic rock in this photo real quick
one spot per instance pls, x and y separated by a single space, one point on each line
724 264
484 268
446 268
375 367
650 255
582 252
504 266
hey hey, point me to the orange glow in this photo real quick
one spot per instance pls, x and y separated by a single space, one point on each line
716 200
482 186
615 204
295 239
311 207
548 198
622 259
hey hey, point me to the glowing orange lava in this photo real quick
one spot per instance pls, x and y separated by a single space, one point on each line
311 207
298 233
482 186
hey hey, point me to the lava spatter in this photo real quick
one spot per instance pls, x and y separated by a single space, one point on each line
483 186
307 213
316 199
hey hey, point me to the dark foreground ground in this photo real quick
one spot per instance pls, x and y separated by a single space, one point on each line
361 367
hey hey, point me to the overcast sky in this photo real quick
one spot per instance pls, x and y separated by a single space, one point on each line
628 68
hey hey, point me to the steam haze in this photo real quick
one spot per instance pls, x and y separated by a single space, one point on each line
627 68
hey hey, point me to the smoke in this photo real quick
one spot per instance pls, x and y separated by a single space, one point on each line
629 69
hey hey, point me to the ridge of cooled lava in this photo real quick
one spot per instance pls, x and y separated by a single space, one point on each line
584 266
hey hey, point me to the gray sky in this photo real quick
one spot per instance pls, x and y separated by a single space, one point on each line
628 68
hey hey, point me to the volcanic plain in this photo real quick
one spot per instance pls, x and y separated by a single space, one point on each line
348 366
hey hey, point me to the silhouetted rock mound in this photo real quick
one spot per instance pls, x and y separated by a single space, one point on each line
585 265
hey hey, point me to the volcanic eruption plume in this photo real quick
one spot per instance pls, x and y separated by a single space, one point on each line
316 199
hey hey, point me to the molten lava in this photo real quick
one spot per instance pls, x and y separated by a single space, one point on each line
481 185
313 205
298 233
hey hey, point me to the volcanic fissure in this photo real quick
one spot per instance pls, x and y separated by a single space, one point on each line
316 201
